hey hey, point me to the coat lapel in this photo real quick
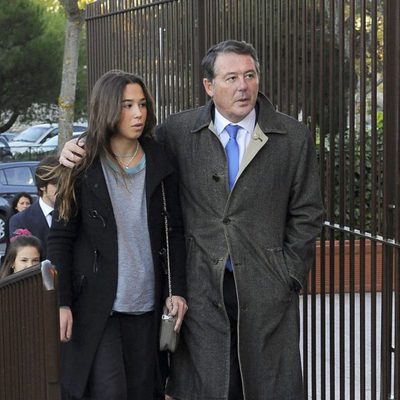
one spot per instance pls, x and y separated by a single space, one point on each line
157 166
257 141
94 179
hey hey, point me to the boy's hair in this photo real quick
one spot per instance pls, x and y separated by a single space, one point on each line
42 176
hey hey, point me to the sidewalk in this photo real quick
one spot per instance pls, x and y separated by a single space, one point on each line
358 323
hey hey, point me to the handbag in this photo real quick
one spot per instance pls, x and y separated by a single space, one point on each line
169 339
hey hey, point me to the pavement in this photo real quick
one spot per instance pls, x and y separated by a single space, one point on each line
361 318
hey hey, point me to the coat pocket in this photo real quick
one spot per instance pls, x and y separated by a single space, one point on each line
279 267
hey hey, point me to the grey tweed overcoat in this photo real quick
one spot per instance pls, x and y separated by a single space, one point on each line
268 225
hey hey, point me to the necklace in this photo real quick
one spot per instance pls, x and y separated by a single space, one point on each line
131 158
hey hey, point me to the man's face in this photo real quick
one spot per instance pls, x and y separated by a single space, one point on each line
234 88
49 194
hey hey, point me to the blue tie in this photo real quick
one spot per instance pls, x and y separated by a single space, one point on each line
232 153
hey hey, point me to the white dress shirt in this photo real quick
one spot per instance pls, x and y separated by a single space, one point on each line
245 131
47 210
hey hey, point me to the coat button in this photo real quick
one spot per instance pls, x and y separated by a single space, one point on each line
216 178
226 221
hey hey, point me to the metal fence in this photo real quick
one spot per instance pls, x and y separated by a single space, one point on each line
335 65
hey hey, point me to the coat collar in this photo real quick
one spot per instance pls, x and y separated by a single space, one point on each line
267 116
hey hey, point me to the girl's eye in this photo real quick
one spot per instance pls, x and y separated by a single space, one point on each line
126 105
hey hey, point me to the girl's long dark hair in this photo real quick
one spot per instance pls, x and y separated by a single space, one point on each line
12 251
104 115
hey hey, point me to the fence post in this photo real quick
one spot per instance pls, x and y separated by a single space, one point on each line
200 49
391 133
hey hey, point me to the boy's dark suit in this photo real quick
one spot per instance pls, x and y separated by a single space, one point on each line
33 219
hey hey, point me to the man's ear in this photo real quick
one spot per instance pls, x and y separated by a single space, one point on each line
208 87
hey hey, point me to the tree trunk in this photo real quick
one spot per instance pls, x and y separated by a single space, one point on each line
10 122
66 101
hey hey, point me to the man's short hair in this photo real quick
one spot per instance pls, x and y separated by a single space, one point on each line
227 46
43 169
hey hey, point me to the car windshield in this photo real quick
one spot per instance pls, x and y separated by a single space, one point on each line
32 134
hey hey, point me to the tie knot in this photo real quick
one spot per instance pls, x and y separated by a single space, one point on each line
232 130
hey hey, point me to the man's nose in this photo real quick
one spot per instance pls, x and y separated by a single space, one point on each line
242 83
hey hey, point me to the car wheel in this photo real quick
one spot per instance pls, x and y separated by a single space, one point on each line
2 228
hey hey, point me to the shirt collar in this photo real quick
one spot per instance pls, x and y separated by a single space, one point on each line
248 123
45 207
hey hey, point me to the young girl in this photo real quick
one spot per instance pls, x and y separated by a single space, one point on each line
107 242
23 252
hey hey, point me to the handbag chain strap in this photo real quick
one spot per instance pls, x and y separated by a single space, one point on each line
167 241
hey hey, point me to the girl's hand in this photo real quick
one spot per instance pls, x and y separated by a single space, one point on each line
66 322
179 308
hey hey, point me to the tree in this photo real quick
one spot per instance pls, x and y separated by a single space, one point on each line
75 14
75 19
30 59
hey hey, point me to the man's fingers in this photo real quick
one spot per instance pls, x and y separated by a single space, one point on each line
71 153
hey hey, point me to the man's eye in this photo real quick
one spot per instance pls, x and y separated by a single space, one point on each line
250 75
231 79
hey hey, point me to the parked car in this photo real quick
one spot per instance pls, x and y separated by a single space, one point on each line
15 177
50 146
9 135
36 135
5 152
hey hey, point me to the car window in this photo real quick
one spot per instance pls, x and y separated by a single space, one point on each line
2 178
18 176
32 134
79 128
51 134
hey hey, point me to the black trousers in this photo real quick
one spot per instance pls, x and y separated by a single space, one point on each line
125 364
231 305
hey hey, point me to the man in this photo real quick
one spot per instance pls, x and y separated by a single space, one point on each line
252 208
37 217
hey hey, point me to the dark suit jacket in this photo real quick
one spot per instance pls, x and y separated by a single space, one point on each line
33 219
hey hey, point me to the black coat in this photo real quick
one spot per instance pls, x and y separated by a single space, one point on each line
85 253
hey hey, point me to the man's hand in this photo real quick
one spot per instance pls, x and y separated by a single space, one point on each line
72 153
66 322
179 308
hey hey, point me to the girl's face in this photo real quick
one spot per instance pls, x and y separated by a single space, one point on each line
133 114
27 256
23 203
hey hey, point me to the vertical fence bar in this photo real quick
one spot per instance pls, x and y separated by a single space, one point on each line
351 198
331 203
391 214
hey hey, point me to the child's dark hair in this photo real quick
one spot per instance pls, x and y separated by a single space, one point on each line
15 244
